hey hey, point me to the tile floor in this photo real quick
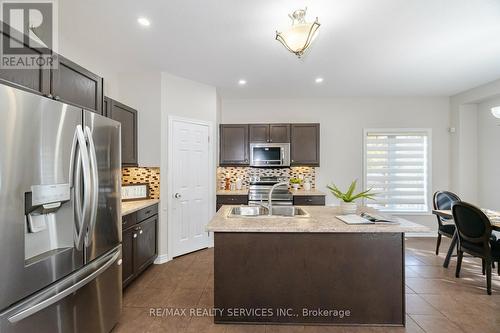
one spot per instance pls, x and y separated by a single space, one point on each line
435 300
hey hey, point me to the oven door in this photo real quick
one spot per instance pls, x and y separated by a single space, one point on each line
269 155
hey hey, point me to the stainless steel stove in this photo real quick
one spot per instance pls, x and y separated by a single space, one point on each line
259 191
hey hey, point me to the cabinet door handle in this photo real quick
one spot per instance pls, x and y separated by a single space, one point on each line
177 195
135 235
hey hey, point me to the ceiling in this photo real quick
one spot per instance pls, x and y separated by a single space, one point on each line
365 47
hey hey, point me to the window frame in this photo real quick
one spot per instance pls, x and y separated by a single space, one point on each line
428 194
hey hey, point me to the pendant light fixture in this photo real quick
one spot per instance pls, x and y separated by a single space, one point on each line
495 111
300 35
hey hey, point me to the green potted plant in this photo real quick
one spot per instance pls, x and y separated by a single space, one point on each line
295 183
347 199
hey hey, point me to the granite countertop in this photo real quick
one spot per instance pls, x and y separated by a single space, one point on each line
321 219
234 192
129 207
310 192
245 192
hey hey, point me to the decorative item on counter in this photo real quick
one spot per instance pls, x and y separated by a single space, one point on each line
307 185
239 183
347 204
135 192
228 184
233 187
295 183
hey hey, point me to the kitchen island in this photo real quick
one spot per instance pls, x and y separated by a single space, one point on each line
308 269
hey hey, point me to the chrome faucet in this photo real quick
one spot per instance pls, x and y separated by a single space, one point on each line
270 196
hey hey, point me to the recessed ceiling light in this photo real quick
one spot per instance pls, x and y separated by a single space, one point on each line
144 21
242 82
319 80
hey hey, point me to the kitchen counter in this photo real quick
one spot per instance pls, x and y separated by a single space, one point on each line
311 192
234 192
309 270
129 207
322 219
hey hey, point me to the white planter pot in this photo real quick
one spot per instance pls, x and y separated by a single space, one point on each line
348 207
295 187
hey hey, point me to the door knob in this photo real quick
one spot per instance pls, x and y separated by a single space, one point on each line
177 195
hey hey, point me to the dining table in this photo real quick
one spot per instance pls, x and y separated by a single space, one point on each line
493 216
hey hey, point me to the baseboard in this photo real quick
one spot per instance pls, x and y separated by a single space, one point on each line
161 259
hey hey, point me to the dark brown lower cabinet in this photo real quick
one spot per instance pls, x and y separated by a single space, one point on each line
139 243
127 255
231 200
309 200
145 246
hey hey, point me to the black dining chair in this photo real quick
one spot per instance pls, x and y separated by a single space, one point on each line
474 238
444 200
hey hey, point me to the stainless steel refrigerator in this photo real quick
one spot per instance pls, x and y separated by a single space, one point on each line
60 218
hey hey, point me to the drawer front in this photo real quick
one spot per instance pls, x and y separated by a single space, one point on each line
232 199
312 200
147 212
129 220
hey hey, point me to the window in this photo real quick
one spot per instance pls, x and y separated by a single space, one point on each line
397 168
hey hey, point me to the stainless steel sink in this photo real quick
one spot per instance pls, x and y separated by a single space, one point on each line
248 211
281 211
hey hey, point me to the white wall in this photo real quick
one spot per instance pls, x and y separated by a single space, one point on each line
142 91
342 122
488 144
462 181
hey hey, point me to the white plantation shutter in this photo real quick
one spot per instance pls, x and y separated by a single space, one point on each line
397 167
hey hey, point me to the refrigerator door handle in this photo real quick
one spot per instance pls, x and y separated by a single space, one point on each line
32 307
82 210
95 186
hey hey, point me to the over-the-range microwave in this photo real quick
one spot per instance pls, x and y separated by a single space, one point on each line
269 154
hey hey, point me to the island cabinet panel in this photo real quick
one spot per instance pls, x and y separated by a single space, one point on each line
234 146
357 277
139 242
76 85
304 145
309 200
127 117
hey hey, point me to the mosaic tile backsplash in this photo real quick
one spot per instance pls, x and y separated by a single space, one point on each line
246 172
133 175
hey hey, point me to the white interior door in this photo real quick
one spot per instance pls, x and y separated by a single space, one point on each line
190 176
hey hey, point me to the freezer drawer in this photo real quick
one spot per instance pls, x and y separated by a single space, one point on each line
89 300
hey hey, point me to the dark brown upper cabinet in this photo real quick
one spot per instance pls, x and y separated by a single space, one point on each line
258 133
305 144
263 133
68 82
279 133
127 116
76 85
34 80
234 145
